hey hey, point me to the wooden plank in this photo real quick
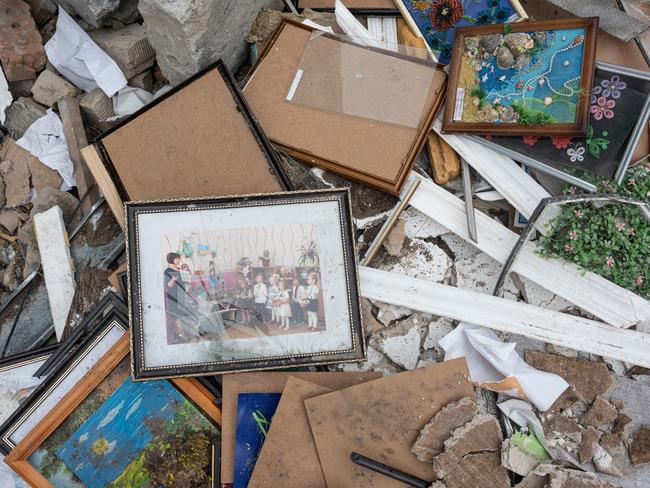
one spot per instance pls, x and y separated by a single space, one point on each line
105 183
589 291
75 136
556 328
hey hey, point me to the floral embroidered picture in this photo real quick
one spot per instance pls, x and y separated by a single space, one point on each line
615 105
436 19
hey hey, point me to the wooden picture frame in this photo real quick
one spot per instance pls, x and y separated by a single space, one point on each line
375 153
116 157
18 459
518 15
358 8
490 107
213 328
65 367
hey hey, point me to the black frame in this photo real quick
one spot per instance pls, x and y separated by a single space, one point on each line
358 351
108 312
265 146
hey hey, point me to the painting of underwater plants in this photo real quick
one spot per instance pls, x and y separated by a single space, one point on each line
522 78
130 435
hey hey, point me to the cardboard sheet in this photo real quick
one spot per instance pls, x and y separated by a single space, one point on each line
267 382
290 433
381 420
373 152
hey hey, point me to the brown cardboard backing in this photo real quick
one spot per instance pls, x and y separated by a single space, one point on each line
273 382
290 433
194 143
376 153
350 4
608 49
382 419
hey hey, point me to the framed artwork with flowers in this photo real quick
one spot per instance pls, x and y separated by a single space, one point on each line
437 19
619 109
529 78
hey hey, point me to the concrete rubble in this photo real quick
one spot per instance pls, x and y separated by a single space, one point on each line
50 88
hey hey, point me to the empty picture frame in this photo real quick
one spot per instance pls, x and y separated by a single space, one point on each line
74 363
242 283
619 113
374 8
528 78
374 152
110 430
437 20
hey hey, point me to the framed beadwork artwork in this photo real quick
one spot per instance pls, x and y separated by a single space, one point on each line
530 78
110 431
242 283
437 20
619 109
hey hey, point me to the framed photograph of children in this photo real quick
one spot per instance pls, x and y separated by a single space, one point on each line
242 283
437 20
618 115
111 431
528 78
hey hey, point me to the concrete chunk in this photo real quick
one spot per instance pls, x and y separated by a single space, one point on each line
92 11
600 413
569 478
517 460
590 438
57 264
10 220
639 446
97 108
432 437
50 88
41 176
482 469
21 114
21 46
16 178
129 48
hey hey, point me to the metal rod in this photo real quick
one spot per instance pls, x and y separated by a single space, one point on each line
392 473
469 200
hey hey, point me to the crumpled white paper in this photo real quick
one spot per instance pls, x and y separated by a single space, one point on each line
521 413
46 140
496 365
129 100
5 96
76 56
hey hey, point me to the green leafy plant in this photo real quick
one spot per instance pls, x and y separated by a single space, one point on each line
611 240
507 28
308 254
529 116
243 262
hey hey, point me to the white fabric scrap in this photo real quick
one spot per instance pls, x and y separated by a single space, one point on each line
5 96
76 56
46 140
129 100
491 360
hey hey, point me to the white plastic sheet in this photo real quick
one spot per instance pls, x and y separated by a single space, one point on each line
129 100
5 96
76 56
495 365
46 140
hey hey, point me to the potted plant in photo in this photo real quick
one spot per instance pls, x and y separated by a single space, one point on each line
244 265
266 258
308 254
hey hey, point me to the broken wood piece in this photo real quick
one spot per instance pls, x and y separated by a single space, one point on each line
7 237
589 291
505 176
506 315
75 135
58 268
445 163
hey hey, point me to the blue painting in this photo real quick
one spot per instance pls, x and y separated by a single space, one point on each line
254 414
525 78
130 435
437 19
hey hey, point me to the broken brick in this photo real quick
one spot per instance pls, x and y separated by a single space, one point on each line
430 443
21 47
589 378
590 438
600 413
16 178
481 434
41 175
480 469
639 446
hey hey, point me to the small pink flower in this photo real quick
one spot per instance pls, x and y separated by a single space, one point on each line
530 140
647 167
489 138
573 190
619 226
638 280
561 142
578 213
603 108
573 235
568 248
610 261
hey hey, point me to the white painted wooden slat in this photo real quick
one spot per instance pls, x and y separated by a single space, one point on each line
592 293
556 328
